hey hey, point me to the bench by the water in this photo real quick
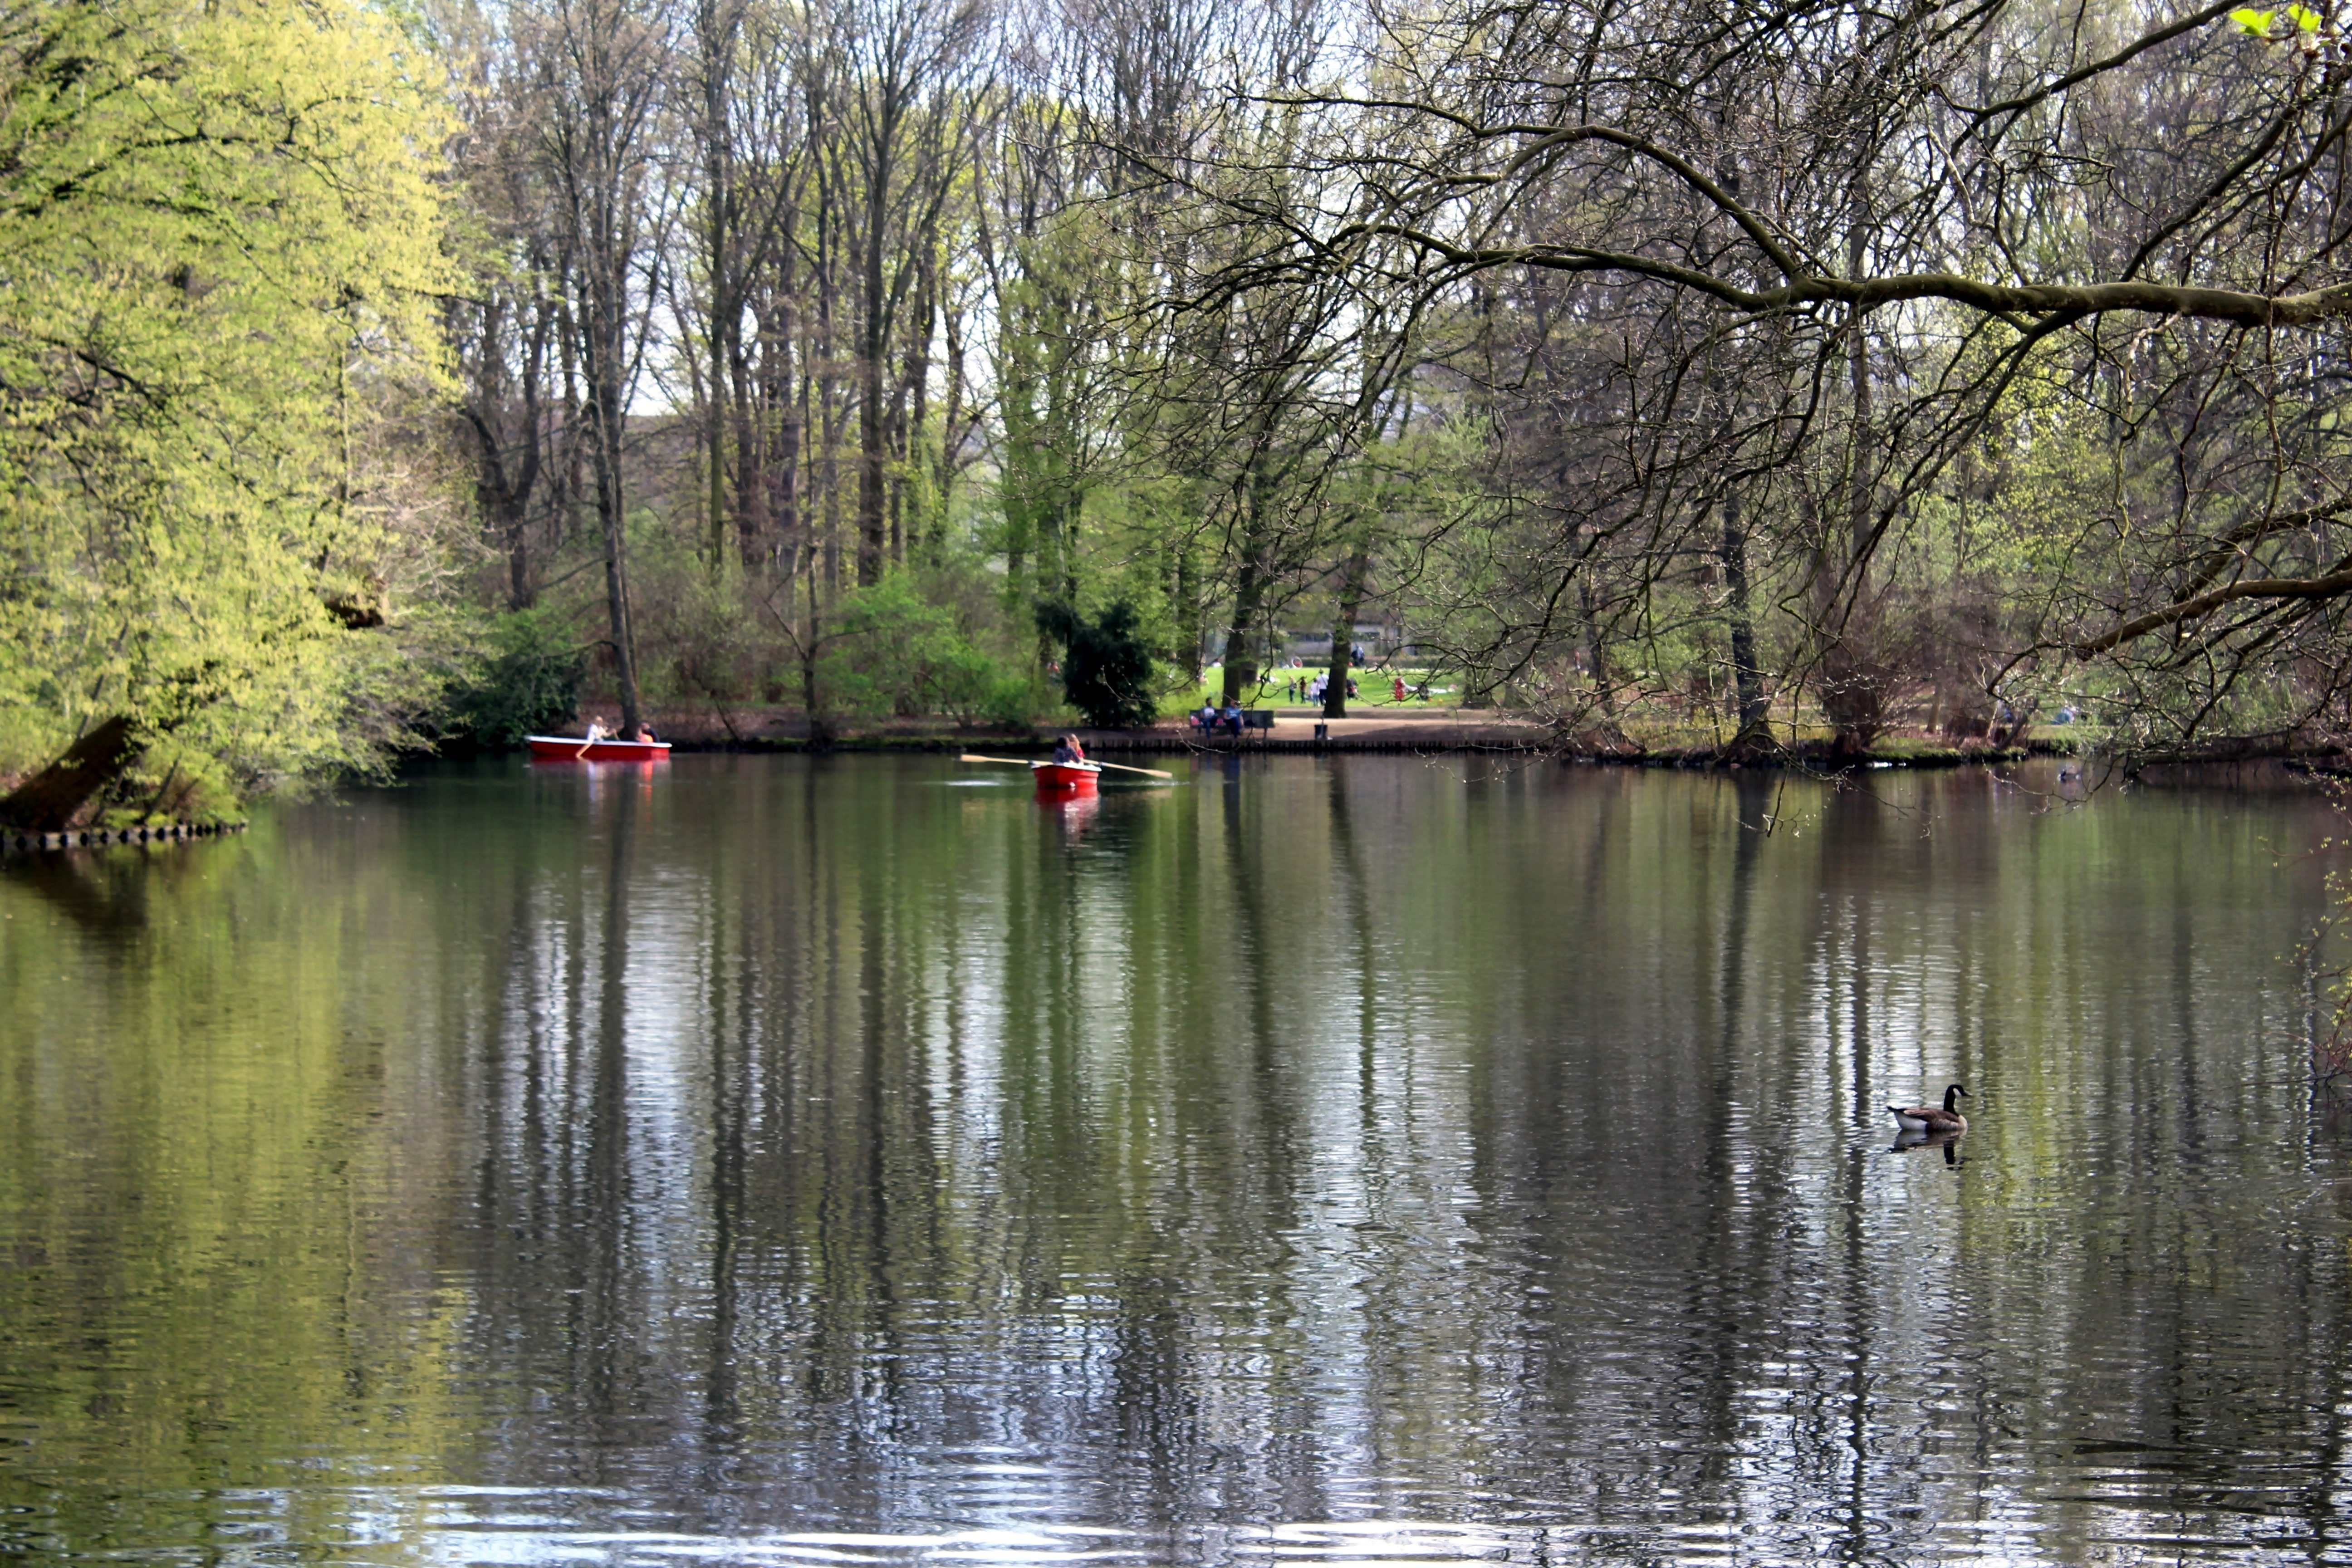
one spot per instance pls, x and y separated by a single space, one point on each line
1252 719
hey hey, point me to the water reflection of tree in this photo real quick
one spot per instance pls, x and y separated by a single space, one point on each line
1529 1143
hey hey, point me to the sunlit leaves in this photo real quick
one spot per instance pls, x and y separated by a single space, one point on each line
2261 23
220 228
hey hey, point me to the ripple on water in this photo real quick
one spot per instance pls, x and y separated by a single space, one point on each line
842 1161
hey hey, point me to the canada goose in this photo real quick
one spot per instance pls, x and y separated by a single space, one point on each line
1927 1119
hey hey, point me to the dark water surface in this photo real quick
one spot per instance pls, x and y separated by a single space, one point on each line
772 1161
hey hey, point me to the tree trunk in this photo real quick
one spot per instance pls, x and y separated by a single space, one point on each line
1188 617
50 800
783 462
1755 732
714 448
512 515
1853 679
1343 634
750 479
872 471
1596 657
611 511
820 727
920 520
1241 666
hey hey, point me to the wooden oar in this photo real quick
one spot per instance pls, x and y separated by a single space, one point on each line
1029 763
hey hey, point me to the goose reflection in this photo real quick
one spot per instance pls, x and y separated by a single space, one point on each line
1907 1143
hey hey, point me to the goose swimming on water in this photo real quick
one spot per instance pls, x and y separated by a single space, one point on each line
1928 1119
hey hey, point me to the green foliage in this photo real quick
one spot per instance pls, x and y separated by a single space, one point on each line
1108 671
895 652
699 634
2257 24
170 781
528 682
221 229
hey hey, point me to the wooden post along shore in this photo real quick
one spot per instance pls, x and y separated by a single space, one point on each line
13 841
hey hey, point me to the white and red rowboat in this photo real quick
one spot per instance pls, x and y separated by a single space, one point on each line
580 749
1060 780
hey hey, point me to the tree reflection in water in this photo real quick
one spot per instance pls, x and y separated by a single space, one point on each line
1326 1158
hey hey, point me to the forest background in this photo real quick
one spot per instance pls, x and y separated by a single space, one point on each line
376 376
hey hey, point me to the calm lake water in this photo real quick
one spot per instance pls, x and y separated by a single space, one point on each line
777 1161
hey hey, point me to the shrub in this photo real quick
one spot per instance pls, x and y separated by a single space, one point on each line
1107 672
527 682
897 652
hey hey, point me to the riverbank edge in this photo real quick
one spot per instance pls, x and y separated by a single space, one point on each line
1416 740
2249 765
15 841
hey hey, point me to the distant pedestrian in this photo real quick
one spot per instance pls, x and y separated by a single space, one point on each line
1397 695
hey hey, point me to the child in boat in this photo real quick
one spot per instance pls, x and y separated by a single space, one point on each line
1067 750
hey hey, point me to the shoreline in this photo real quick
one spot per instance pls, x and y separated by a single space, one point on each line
1453 731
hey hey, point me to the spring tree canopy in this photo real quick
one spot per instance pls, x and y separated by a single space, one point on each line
220 235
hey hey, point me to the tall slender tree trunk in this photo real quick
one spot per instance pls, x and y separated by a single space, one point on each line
714 455
783 462
611 509
575 409
513 519
873 468
1851 676
1343 632
920 515
1186 602
1249 597
1755 732
1596 656
1250 585
751 522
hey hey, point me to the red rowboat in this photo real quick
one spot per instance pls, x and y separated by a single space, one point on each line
1063 779
580 749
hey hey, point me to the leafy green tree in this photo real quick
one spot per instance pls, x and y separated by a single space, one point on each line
221 231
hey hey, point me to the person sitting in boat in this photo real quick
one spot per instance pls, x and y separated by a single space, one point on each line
640 733
596 731
1066 750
